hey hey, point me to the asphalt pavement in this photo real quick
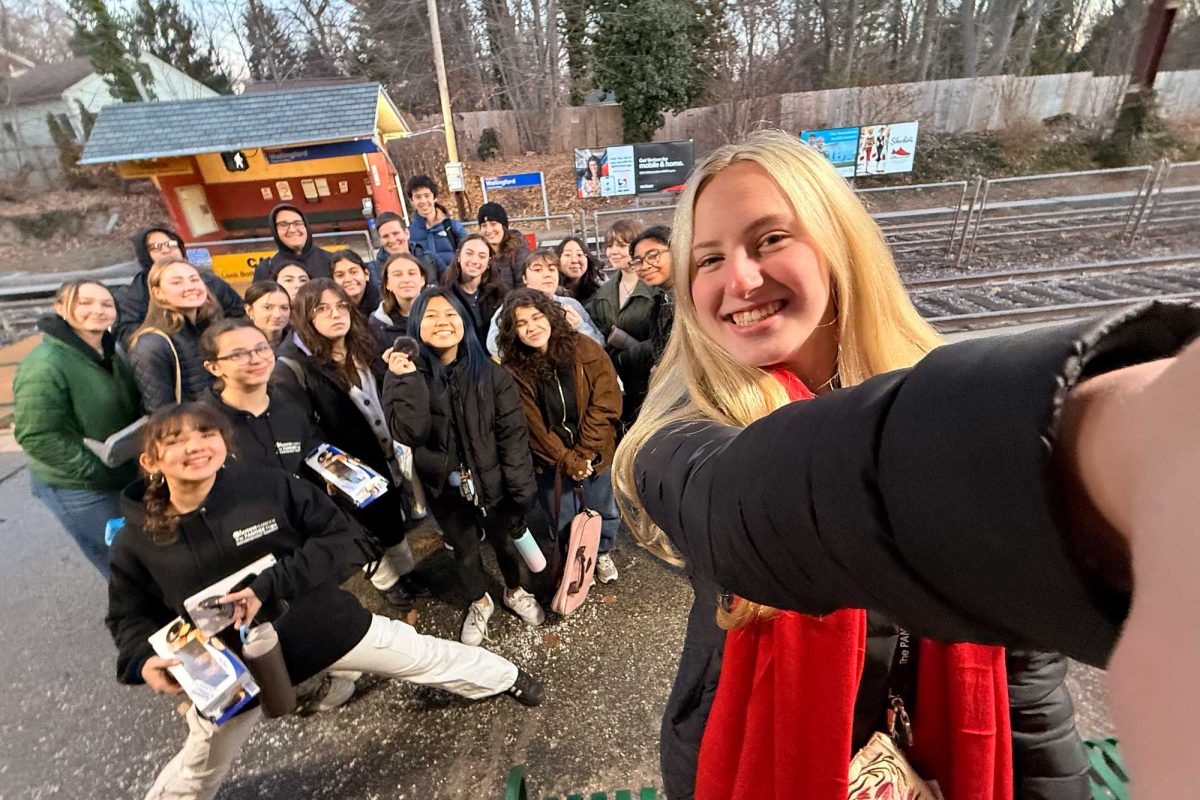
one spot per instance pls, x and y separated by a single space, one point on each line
71 731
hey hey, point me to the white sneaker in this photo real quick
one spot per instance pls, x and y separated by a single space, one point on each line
474 629
525 606
606 570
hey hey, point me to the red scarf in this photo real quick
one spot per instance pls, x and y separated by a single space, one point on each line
782 720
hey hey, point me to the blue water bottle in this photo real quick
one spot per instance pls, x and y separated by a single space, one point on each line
529 550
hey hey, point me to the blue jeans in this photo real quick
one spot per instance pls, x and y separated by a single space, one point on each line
597 495
84 513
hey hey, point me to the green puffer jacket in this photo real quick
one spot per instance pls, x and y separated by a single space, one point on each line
65 391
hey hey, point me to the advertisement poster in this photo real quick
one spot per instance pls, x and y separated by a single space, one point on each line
632 169
839 145
886 149
663 166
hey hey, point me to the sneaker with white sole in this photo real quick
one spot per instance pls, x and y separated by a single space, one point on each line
606 570
332 690
525 606
474 629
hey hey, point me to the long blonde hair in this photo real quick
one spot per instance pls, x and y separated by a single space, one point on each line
166 318
878 329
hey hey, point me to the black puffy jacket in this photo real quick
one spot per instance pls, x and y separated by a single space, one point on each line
339 422
248 514
385 330
153 366
133 300
419 410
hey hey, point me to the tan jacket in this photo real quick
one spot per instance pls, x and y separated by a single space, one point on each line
598 400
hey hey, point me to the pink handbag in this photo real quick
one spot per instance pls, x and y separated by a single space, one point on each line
579 564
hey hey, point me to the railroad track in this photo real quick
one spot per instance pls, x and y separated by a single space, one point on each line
991 300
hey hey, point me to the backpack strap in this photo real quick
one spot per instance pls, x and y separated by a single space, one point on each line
296 369
301 378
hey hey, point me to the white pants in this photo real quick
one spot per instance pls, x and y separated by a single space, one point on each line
397 561
391 648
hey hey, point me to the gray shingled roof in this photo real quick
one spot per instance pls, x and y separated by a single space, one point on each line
134 131
46 82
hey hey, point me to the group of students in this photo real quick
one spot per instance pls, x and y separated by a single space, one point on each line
832 478
240 389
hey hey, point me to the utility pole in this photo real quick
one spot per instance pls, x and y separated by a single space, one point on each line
1153 41
454 169
1136 106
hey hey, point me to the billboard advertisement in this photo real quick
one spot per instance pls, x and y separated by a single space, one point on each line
839 145
633 169
886 149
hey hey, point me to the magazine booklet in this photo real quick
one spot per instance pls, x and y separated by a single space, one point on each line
120 447
211 617
353 479
215 679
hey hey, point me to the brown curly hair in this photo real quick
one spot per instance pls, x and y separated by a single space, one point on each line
522 360
160 524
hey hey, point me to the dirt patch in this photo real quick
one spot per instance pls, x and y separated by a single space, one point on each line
70 229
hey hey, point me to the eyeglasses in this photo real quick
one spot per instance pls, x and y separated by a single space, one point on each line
170 244
292 225
243 356
652 258
326 310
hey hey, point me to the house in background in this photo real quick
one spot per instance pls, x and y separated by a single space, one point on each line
27 97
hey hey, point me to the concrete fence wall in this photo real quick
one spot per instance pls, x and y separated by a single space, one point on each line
963 105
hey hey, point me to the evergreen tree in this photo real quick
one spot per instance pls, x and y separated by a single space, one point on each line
163 29
273 55
574 38
100 38
643 53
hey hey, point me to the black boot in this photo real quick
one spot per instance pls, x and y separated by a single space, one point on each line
399 596
526 689
416 585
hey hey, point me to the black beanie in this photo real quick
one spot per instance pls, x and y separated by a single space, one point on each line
494 212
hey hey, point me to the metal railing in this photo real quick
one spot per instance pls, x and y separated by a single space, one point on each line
1025 213
235 243
545 219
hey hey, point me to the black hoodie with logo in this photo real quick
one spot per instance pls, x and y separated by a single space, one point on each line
279 438
248 514
134 300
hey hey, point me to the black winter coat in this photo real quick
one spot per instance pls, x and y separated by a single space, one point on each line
339 422
385 329
133 301
153 366
482 307
279 438
635 364
510 265
247 515
925 493
493 425
1049 760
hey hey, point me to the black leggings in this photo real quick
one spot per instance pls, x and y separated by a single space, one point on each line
460 522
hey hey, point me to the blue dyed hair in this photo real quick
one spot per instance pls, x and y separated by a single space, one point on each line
476 357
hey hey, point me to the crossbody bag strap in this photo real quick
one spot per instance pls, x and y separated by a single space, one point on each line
178 368
902 688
